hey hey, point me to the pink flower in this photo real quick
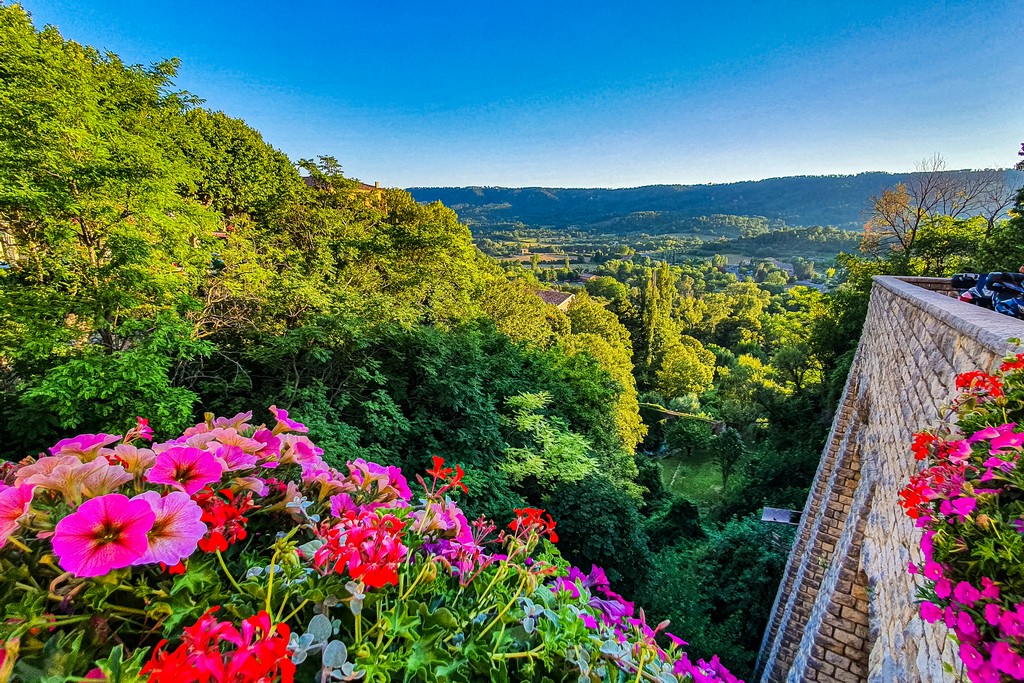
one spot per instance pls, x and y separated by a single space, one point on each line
14 504
103 534
233 458
930 612
991 432
992 613
176 529
284 424
74 479
185 468
1008 661
965 625
1006 440
989 589
135 460
588 620
237 422
85 447
966 594
933 570
943 588
960 508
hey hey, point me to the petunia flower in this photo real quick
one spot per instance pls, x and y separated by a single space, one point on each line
185 468
135 460
103 534
14 504
75 480
176 530
85 447
284 423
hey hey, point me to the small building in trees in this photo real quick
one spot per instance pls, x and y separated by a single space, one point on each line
560 300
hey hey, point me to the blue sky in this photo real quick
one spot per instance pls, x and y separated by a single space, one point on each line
591 94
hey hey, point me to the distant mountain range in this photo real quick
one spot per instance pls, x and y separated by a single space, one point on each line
838 200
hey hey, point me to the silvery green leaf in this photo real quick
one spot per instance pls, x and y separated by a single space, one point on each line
347 668
610 647
305 640
355 605
583 679
309 549
331 600
298 657
528 624
668 678
320 628
335 654
254 571
314 518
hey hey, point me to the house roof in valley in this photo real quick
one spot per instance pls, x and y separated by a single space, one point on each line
556 298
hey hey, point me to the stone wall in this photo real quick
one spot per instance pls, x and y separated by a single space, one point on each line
845 609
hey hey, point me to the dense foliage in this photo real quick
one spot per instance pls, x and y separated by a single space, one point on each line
968 501
235 554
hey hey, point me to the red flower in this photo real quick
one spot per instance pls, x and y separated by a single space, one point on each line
979 382
530 520
922 445
225 518
439 472
260 653
367 546
1015 363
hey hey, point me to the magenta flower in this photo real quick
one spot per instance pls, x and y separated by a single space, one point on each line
959 508
992 432
943 588
176 530
185 468
14 503
1008 661
992 613
1006 440
85 447
933 570
966 594
284 423
588 621
103 534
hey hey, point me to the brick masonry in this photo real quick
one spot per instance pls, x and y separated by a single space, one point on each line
845 610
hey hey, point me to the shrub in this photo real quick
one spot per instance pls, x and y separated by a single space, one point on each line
235 553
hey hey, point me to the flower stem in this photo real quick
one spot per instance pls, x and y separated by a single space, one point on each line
506 608
227 573
295 611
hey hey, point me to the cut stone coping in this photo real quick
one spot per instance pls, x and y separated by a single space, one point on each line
987 327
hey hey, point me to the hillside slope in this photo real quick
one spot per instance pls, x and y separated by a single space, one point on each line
836 200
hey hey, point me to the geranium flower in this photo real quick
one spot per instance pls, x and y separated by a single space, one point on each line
284 423
224 513
141 430
176 530
85 447
14 504
185 468
367 546
103 534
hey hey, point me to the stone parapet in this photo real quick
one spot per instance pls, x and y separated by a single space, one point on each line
845 610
